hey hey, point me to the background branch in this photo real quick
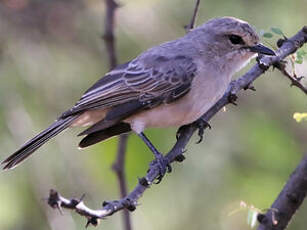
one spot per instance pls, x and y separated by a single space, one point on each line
295 81
193 19
287 202
109 37
119 168
119 164
131 200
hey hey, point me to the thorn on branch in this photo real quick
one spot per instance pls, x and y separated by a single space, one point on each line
54 200
92 221
250 87
280 42
264 66
180 158
129 205
111 205
82 197
232 98
105 203
143 181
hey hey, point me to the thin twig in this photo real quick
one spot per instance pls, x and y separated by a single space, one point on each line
119 168
288 200
193 19
131 200
119 164
295 81
108 36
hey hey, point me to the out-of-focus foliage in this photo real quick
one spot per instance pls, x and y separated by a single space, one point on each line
51 51
300 116
300 56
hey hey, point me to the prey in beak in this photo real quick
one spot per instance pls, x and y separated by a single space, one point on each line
261 49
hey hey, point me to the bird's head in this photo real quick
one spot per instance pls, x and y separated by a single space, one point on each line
230 42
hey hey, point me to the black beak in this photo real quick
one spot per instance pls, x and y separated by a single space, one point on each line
261 49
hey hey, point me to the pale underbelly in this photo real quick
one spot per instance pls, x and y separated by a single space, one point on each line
184 111
204 93
176 114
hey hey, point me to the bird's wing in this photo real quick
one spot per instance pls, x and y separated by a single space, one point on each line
150 81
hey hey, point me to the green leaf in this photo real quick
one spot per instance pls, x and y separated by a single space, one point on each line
300 56
301 53
277 31
267 35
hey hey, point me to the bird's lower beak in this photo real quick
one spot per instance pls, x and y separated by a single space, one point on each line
261 49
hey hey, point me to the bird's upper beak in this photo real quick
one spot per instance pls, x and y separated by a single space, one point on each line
261 49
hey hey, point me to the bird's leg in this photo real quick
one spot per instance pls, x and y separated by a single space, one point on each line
160 161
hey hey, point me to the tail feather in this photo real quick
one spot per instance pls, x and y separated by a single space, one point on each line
28 148
104 134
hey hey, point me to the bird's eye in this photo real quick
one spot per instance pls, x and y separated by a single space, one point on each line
235 39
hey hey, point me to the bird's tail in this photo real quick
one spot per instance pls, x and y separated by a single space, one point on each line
28 148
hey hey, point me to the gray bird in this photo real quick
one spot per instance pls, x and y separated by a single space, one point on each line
171 84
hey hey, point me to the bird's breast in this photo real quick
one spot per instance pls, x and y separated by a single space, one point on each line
204 93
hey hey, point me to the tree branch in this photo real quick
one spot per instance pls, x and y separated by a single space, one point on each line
131 200
193 19
119 164
288 200
119 168
295 81
108 36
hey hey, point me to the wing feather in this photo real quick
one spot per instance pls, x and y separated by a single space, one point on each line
165 78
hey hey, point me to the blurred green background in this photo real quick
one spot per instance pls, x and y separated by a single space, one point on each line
51 51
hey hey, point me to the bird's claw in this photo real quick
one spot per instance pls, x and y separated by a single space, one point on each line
163 166
201 124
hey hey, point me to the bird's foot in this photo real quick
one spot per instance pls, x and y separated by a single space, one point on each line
162 164
201 124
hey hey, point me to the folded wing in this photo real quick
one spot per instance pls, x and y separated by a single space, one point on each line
158 79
